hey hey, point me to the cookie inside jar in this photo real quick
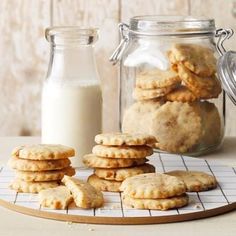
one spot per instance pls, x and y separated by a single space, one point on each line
169 84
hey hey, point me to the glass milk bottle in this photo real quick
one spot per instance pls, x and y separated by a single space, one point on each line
71 96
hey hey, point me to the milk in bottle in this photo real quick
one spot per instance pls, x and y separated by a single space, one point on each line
71 96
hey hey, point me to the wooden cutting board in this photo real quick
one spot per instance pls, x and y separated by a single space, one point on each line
202 204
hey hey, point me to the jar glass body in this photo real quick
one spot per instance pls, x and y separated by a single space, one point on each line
183 121
71 95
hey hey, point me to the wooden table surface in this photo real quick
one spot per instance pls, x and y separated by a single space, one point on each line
13 223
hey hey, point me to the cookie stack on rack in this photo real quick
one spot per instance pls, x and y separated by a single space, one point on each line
171 104
117 157
40 166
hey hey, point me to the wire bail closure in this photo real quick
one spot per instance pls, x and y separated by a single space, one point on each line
222 34
124 33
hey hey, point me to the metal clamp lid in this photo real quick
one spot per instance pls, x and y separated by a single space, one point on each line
124 33
226 65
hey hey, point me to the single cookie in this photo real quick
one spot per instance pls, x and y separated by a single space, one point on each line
138 117
43 152
195 83
177 127
181 94
154 79
152 186
38 176
145 94
104 185
156 204
196 58
211 123
122 151
195 181
55 198
95 161
119 139
33 165
84 194
31 187
121 174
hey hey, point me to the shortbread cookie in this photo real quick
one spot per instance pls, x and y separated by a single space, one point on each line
31 187
51 175
156 204
196 58
119 139
121 174
153 79
122 151
144 94
177 127
196 181
95 161
152 186
211 123
43 152
138 117
181 94
55 198
33 165
84 194
194 82
103 184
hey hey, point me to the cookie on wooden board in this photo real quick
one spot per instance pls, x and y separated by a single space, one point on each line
43 152
122 151
196 181
152 186
155 204
121 174
119 139
94 161
103 184
55 198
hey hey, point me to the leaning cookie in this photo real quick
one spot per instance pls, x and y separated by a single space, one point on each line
156 204
196 181
84 194
197 58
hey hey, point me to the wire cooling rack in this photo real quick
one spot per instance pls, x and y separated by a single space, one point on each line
202 204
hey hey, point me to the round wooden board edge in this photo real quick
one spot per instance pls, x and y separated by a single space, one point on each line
119 220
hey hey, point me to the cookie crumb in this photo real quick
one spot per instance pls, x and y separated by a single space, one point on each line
91 229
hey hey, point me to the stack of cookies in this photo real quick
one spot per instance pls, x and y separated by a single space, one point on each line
170 103
40 166
154 191
117 157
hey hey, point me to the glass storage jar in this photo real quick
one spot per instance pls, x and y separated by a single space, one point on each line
168 83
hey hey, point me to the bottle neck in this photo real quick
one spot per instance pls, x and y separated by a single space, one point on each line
72 64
